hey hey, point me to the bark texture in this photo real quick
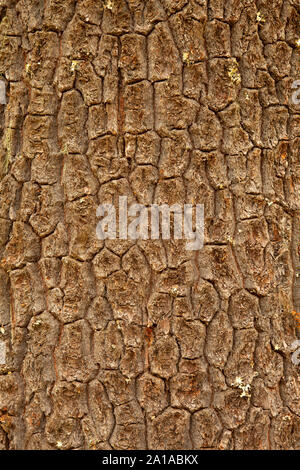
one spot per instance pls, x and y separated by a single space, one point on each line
141 345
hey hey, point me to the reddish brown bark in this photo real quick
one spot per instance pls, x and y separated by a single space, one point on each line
135 345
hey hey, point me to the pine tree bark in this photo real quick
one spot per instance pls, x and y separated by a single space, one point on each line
145 345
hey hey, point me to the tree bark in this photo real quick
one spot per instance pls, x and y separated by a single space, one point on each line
123 344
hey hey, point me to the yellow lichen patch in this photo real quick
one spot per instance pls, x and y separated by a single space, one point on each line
108 5
260 17
185 57
65 150
37 323
28 69
245 388
234 73
286 418
93 444
74 64
231 240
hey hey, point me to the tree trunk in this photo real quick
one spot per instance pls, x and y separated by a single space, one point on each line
143 344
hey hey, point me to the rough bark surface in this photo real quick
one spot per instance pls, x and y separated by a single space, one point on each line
141 345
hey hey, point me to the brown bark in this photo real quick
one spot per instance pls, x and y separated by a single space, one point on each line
135 345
